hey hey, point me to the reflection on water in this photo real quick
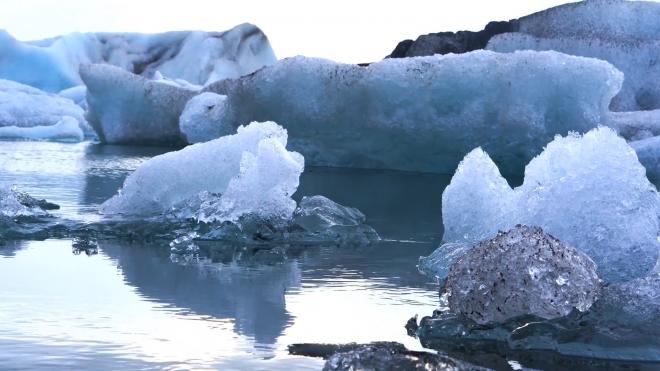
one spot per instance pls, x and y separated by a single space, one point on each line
130 306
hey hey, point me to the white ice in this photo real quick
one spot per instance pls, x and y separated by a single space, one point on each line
24 106
195 56
250 172
589 191
65 130
423 113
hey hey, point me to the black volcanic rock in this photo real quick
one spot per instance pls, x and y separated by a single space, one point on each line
452 42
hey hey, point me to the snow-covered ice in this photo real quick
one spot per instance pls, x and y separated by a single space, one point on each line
589 191
65 130
195 122
519 272
195 56
127 108
24 106
250 172
423 113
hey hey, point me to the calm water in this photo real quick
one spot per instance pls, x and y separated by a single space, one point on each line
130 306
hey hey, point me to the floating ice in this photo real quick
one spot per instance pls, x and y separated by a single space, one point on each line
18 204
195 56
624 33
250 172
622 324
523 271
127 108
65 130
591 192
423 113
24 106
195 121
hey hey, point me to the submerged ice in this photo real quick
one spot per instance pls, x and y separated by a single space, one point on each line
589 191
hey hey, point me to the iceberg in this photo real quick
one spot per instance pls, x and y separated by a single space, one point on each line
250 172
65 130
14 204
196 122
125 108
24 106
78 94
195 56
423 114
589 191
648 152
521 272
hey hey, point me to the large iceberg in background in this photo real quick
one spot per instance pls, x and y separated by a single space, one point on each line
196 122
195 56
24 106
250 172
127 108
588 191
423 113
624 33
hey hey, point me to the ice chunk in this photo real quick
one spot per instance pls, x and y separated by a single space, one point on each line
640 90
195 56
78 94
523 271
437 264
14 203
65 130
648 152
196 123
127 108
423 113
591 192
248 172
24 106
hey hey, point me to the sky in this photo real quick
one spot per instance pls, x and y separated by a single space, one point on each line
349 31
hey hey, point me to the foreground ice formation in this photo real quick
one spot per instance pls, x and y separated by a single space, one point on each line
248 172
126 108
622 324
195 122
589 191
23 106
378 356
14 203
523 271
423 113
65 130
195 56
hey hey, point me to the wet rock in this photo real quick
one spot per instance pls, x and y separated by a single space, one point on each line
377 356
520 272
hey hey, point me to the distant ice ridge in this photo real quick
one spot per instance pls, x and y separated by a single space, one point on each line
589 191
423 113
250 172
65 130
24 106
624 33
195 56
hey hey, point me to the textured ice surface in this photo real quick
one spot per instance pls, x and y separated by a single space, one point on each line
423 113
66 130
624 33
522 271
196 123
14 203
383 356
198 57
621 324
590 192
437 264
127 108
179 83
648 152
24 106
635 125
250 172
